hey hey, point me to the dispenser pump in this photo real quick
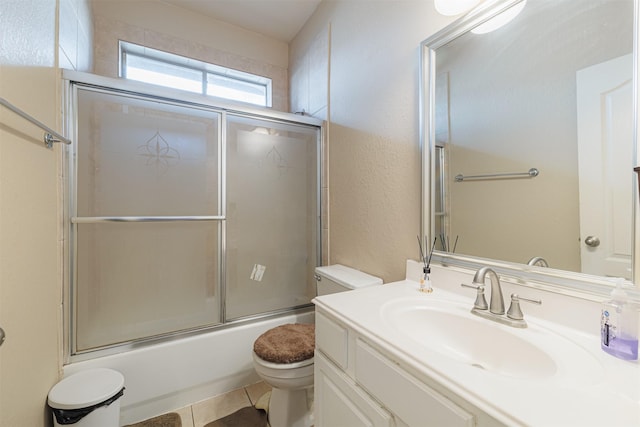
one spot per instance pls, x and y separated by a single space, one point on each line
618 294
619 325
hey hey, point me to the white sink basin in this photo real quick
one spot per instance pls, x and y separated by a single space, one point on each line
450 330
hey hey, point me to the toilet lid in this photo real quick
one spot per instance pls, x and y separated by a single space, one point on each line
289 343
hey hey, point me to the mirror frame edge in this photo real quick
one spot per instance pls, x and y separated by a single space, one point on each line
559 281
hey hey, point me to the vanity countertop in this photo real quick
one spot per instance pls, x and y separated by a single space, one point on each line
592 389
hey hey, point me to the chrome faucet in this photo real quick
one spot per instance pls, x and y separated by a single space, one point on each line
539 261
514 316
496 305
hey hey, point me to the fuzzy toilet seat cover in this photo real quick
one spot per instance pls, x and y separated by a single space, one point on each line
293 342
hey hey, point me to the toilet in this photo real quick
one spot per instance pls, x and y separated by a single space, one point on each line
283 356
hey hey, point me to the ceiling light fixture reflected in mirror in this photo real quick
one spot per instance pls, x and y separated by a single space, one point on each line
500 20
454 7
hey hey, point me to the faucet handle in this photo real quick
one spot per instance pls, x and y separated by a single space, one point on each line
514 311
481 302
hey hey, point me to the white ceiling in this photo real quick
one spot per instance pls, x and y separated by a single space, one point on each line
279 19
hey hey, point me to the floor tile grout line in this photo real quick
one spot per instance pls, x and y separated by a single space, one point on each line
192 413
246 392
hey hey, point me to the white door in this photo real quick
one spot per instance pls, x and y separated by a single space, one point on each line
605 153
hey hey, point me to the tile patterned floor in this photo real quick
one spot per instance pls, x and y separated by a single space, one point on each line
214 408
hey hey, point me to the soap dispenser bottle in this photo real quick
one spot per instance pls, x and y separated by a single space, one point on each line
619 325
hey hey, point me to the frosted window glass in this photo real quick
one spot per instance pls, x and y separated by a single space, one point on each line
163 74
272 216
238 90
166 69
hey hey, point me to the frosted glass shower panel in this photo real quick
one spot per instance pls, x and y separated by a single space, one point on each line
272 215
144 157
147 220
140 280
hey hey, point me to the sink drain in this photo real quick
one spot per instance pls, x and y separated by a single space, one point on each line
476 365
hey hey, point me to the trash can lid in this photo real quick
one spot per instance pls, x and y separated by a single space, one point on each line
86 388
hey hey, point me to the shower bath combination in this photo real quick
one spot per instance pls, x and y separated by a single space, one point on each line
185 219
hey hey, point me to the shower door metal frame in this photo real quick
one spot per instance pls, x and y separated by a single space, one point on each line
72 81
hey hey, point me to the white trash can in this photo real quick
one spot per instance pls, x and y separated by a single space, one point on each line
88 399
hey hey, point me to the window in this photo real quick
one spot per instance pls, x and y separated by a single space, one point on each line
166 69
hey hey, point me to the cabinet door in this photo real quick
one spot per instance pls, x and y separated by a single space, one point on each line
333 339
410 399
339 402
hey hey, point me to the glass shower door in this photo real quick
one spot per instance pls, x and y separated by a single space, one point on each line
272 215
184 217
147 221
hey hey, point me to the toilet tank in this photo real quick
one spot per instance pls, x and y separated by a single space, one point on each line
339 278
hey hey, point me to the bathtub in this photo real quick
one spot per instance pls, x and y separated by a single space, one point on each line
163 377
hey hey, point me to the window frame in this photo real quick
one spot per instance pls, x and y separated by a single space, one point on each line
204 68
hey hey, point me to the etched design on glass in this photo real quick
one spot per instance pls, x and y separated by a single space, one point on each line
279 161
158 152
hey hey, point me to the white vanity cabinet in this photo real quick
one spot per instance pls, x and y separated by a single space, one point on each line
358 384
340 402
393 356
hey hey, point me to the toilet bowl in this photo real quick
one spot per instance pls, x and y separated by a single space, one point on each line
291 391
285 375
283 356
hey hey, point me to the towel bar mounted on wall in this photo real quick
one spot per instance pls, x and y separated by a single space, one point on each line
50 135
531 173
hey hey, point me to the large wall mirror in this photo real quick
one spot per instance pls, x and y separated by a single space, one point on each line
529 139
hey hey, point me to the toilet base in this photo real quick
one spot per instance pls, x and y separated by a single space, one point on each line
291 408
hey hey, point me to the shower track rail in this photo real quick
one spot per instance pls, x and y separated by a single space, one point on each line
99 219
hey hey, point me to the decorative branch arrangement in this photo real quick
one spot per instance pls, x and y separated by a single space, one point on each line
425 280
446 244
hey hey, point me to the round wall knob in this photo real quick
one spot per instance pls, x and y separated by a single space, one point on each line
592 241
2 335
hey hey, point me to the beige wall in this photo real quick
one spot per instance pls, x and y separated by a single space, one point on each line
75 50
30 255
173 29
30 291
374 154
309 69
